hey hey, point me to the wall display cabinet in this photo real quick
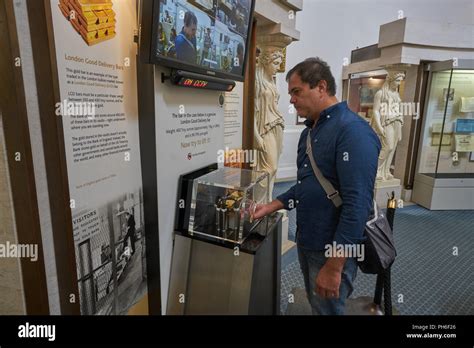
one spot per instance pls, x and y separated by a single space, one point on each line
362 89
445 174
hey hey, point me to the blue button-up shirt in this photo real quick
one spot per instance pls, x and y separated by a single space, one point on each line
185 48
346 150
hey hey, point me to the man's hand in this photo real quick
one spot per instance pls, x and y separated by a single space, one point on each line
328 279
265 209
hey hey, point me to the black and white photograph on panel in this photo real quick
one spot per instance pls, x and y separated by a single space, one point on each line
110 256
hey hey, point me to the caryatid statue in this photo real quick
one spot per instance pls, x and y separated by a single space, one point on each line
269 122
387 121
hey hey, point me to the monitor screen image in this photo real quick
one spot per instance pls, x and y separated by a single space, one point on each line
204 36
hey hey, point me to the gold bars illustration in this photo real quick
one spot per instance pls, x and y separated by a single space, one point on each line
94 20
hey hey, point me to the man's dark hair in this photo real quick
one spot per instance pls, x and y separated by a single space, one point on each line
313 70
190 19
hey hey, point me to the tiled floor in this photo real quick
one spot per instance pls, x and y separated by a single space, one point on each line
427 277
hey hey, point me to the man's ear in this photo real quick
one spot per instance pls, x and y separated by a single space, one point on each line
322 86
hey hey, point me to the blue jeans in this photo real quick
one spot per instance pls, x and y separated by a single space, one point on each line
311 262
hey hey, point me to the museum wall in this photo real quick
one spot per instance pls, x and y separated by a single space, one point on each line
11 286
28 72
126 171
181 149
332 29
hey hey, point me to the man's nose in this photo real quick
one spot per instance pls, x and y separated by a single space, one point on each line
293 100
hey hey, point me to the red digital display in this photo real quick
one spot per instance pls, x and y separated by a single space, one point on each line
187 82
202 83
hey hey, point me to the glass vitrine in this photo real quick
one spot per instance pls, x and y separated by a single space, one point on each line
223 203
445 167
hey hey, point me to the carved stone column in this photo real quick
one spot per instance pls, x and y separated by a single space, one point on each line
275 31
269 121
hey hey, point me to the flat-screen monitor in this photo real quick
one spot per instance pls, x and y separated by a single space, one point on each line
209 37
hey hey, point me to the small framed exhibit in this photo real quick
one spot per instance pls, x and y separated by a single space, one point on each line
444 176
465 125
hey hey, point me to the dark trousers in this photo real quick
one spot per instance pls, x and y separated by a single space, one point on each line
131 235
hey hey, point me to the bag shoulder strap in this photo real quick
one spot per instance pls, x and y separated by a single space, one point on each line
331 192
376 216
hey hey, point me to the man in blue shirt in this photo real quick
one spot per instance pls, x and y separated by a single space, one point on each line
346 150
186 40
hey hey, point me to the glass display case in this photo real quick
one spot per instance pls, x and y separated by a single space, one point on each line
224 201
445 172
